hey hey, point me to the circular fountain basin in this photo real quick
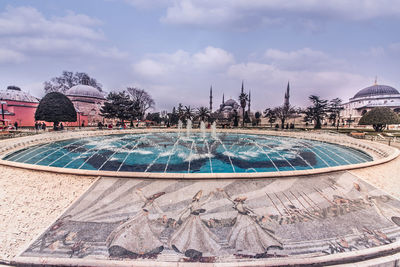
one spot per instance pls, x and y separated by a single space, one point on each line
196 153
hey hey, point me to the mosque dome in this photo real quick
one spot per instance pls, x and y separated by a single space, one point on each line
84 91
14 93
231 102
376 90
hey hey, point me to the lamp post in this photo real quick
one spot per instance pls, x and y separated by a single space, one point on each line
2 109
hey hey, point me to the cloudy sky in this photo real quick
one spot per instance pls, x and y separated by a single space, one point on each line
176 49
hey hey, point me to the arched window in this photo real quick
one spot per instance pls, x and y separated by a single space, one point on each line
397 110
363 112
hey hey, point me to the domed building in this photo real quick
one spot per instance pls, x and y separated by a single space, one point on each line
368 98
228 107
87 101
18 106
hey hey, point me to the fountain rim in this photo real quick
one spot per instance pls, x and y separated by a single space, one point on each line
381 153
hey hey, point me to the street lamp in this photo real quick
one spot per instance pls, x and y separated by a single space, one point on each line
2 109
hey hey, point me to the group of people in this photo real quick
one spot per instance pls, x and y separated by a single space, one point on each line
192 237
119 125
40 126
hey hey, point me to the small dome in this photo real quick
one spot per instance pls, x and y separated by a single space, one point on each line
376 90
14 93
84 91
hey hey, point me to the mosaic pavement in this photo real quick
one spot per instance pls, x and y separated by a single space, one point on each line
221 220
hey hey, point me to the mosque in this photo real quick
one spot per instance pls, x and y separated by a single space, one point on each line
368 98
229 107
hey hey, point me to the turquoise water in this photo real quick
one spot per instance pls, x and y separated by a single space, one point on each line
174 153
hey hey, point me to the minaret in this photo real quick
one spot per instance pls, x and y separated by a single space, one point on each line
242 87
376 80
211 98
223 99
287 95
248 110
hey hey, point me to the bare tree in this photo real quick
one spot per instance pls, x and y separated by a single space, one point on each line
67 80
141 99
283 113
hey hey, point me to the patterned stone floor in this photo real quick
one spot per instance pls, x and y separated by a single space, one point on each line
127 221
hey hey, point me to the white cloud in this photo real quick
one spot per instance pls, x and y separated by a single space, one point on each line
250 13
10 56
395 47
271 80
25 33
17 21
303 59
149 4
185 77
375 51
210 59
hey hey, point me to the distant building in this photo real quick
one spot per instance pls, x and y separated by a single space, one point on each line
369 98
229 107
87 101
18 106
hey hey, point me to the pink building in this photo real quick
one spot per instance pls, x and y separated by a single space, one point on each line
87 101
18 106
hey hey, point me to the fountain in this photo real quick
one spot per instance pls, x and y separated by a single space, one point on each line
197 152
203 129
214 130
179 127
188 128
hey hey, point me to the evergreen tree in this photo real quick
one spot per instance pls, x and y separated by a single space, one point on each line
270 114
335 107
55 107
257 115
379 117
317 112
173 116
118 105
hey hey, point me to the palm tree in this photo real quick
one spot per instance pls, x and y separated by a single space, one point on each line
203 113
243 98
181 112
188 113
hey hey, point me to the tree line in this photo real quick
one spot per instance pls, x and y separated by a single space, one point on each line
134 104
